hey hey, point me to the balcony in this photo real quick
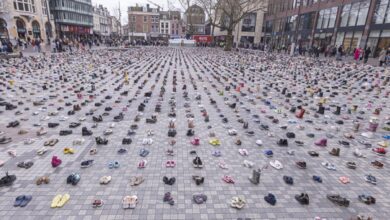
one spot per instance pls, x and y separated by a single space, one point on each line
69 21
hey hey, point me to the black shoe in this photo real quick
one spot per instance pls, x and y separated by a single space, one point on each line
86 132
52 125
126 141
74 124
282 142
65 132
303 199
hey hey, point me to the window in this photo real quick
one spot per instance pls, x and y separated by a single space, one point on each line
145 18
355 14
24 5
249 23
327 18
344 15
380 11
362 16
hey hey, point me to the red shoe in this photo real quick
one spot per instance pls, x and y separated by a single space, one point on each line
321 142
300 113
380 151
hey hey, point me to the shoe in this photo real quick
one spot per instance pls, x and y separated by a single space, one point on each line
282 142
288 179
380 151
351 165
303 199
335 152
377 164
370 179
337 199
313 153
367 199
321 142
270 198
301 164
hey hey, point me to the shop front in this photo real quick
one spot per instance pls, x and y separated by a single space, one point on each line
3 30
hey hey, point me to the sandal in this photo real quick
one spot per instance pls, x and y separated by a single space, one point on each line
97 203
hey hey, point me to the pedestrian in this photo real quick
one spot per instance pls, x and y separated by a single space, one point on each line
367 53
382 57
356 54
339 54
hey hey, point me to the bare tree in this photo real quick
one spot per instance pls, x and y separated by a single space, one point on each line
209 7
186 5
228 13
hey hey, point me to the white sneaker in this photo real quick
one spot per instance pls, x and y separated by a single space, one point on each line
367 134
259 142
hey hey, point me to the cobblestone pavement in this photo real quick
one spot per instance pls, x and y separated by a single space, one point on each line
207 74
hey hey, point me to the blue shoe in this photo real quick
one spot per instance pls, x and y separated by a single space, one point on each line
25 201
270 198
317 179
18 201
268 153
111 165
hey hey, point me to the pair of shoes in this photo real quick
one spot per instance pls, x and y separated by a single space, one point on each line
86 163
237 202
270 198
197 162
168 198
73 179
136 180
288 179
303 198
198 180
337 199
367 199
169 181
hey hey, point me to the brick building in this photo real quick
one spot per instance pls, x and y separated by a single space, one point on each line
144 22
195 19
325 23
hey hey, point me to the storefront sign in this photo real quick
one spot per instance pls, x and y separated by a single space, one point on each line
203 38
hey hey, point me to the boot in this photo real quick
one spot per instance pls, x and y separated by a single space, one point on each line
86 132
255 178
245 126
284 91
321 110
335 152
338 110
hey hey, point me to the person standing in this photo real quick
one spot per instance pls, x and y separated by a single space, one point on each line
356 54
367 53
382 57
339 53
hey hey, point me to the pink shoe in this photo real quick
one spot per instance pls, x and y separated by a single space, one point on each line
322 142
55 161
195 141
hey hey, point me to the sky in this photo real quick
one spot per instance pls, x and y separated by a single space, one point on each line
113 5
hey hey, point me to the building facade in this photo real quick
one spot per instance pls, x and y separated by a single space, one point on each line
247 33
26 20
101 23
170 24
195 20
73 18
324 23
116 30
144 22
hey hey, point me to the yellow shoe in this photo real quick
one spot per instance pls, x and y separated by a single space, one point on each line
55 201
68 150
383 144
65 198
